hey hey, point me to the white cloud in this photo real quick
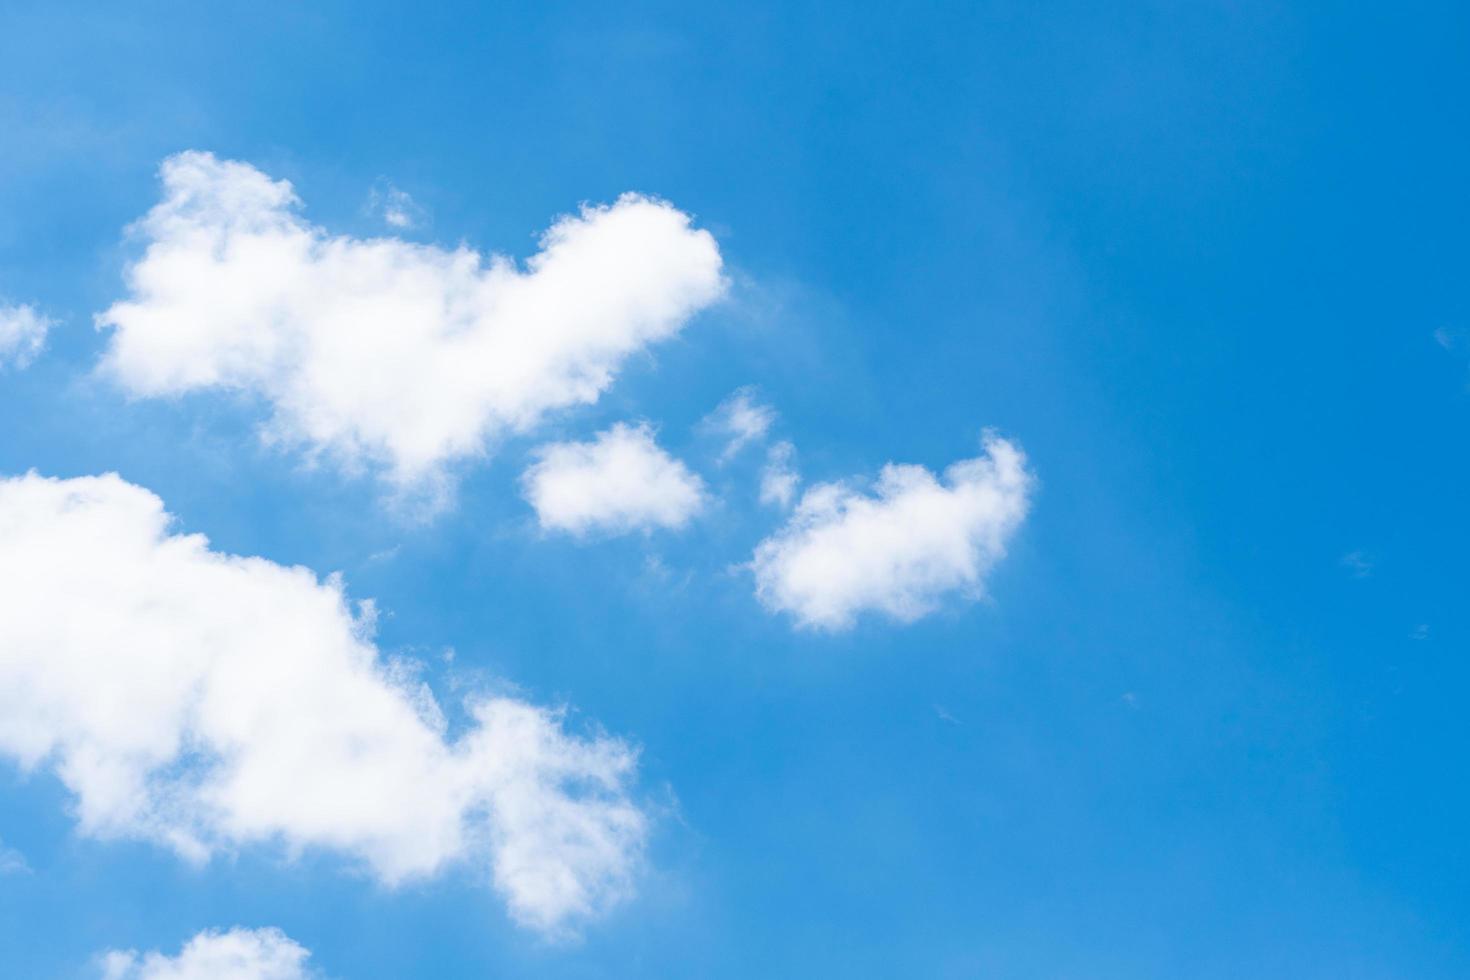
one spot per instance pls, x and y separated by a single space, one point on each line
208 701
619 482
741 420
898 551
22 334
382 351
779 478
239 954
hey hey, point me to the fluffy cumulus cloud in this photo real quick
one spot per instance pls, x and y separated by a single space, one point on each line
620 481
208 701
22 334
741 420
385 352
238 954
899 549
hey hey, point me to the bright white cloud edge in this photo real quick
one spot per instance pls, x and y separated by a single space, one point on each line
208 701
618 482
234 954
899 550
383 352
23 332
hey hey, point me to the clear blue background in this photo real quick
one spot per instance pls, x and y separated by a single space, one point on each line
1192 256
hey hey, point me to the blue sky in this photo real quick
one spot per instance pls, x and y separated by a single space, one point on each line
1205 266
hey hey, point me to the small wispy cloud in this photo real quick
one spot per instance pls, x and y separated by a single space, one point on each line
398 210
779 479
1453 339
741 420
1357 564
12 862
23 332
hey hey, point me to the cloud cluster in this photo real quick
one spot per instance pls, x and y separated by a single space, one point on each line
899 550
209 701
385 352
22 334
239 954
620 481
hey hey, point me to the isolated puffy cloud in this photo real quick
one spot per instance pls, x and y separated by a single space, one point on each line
383 351
208 701
741 420
22 334
239 954
621 481
896 551
779 478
